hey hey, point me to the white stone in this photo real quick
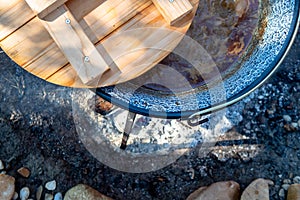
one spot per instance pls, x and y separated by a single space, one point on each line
287 181
281 193
1 165
48 196
287 118
51 185
296 179
294 124
24 193
39 192
58 196
285 186
16 196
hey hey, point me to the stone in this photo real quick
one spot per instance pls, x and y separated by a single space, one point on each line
285 186
293 192
51 185
287 181
296 179
7 186
101 106
16 196
58 196
48 196
281 193
258 189
24 193
294 124
287 118
23 171
84 192
39 192
227 190
1 165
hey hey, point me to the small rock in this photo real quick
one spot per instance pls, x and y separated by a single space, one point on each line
39 192
24 193
58 196
298 122
1 165
287 181
25 172
84 192
7 186
281 193
228 190
296 179
285 186
101 106
260 97
258 189
295 125
16 196
289 128
294 192
48 196
51 185
287 118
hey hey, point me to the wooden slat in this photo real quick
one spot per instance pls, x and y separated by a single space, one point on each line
44 7
173 10
13 14
27 44
75 44
44 58
143 58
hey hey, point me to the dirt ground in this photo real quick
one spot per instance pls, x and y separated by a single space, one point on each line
37 131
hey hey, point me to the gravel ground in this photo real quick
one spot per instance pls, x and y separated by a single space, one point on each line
37 131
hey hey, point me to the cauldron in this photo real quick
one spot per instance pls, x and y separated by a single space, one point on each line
277 28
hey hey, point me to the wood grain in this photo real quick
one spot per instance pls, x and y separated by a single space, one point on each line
173 11
44 7
105 24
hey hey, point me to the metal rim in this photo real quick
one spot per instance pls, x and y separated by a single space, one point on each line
235 98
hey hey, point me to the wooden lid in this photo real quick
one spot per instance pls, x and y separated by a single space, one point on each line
92 43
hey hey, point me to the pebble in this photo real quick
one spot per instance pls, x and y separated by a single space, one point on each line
51 185
281 193
16 196
24 193
287 181
7 186
84 192
48 196
285 186
1 165
258 189
227 190
296 179
294 124
23 171
39 192
58 196
287 118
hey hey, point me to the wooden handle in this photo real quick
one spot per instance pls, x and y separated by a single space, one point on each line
73 42
173 10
